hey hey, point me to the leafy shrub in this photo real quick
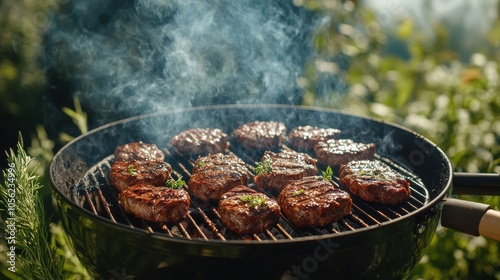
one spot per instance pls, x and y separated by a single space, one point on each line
424 87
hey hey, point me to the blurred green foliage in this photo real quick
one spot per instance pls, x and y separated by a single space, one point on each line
21 79
427 88
454 103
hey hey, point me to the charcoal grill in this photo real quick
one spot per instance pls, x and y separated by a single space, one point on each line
374 242
95 194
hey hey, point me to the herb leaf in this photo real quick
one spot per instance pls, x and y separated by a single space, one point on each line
253 200
297 192
377 174
263 167
327 174
131 169
175 184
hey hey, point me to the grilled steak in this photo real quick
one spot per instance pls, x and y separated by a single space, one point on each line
216 174
277 169
246 211
335 152
124 174
220 161
374 181
306 137
200 141
260 135
138 151
155 204
313 202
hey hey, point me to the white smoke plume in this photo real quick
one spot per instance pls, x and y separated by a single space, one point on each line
124 58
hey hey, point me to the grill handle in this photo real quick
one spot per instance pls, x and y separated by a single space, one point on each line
471 217
476 183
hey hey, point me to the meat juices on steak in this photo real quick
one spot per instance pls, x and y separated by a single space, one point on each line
124 174
260 135
216 174
335 152
374 181
313 202
246 211
220 161
200 141
277 169
306 137
139 151
155 204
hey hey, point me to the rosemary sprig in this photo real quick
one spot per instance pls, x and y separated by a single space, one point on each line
175 184
253 200
32 255
72 266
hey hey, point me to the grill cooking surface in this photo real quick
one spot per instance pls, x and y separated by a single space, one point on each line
95 194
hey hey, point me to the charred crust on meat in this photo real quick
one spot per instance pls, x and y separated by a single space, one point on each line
246 211
155 204
138 151
260 135
124 174
374 181
218 174
200 141
283 167
335 152
308 136
313 202
138 163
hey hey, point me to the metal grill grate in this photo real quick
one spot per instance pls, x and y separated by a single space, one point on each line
95 194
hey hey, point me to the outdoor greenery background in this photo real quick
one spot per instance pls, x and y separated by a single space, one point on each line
428 87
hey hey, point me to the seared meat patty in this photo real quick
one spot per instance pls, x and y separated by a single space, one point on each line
260 135
246 211
138 151
216 174
220 161
200 141
155 204
374 181
313 202
306 137
277 169
334 152
124 174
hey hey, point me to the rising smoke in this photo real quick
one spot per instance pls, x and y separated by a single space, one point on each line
124 58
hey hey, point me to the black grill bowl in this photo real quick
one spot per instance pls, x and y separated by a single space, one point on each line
112 249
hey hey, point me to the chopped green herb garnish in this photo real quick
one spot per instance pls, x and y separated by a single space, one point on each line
253 200
175 184
263 167
327 174
366 172
200 163
372 173
297 192
131 169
